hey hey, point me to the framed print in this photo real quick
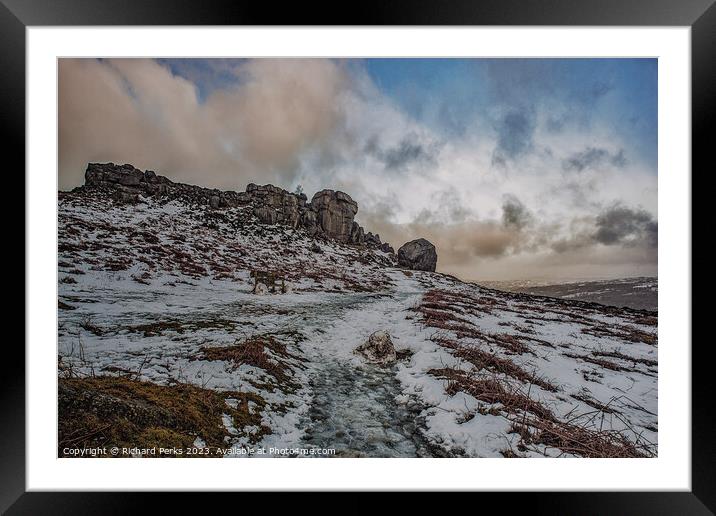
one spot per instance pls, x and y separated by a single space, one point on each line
421 249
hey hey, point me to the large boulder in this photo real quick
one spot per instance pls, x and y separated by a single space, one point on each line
419 255
378 349
335 213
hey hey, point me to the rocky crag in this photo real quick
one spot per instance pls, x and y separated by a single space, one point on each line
329 215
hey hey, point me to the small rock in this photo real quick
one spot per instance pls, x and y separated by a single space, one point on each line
378 349
261 289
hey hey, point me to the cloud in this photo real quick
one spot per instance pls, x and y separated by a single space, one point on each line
593 157
497 197
622 225
514 213
614 226
408 151
138 111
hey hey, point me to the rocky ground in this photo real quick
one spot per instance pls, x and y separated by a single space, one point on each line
162 342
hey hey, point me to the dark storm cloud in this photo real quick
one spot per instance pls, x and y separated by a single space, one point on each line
622 225
617 226
514 213
407 152
594 157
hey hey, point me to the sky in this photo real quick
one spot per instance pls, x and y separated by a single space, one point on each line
516 169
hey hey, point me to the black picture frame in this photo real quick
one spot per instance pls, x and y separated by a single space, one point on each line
700 15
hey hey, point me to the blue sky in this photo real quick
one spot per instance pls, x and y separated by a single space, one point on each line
515 168
450 93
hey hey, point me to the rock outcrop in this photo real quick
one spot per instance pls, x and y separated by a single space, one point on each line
330 214
418 255
378 349
335 213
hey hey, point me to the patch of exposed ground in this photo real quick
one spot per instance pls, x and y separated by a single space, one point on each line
123 412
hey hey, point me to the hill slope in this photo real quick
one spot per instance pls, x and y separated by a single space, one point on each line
163 343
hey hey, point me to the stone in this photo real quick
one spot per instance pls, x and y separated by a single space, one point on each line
126 197
372 240
357 234
260 289
387 248
336 211
329 216
284 204
108 174
419 255
309 219
266 215
150 176
378 349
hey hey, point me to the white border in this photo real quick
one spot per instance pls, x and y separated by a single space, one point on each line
671 470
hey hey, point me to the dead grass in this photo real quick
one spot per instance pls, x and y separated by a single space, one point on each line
88 325
443 310
257 352
606 364
622 356
535 423
491 362
622 332
461 301
118 411
594 403
155 328
492 390
578 440
645 320
64 306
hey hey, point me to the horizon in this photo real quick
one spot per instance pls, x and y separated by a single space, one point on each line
516 169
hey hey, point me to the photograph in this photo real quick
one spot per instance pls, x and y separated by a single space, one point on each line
357 257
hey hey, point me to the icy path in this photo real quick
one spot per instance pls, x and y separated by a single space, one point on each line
355 412
354 406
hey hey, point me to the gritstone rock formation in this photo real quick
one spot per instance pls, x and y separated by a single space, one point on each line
330 214
418 255
335 215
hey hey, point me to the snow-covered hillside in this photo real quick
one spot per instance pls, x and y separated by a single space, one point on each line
163 343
